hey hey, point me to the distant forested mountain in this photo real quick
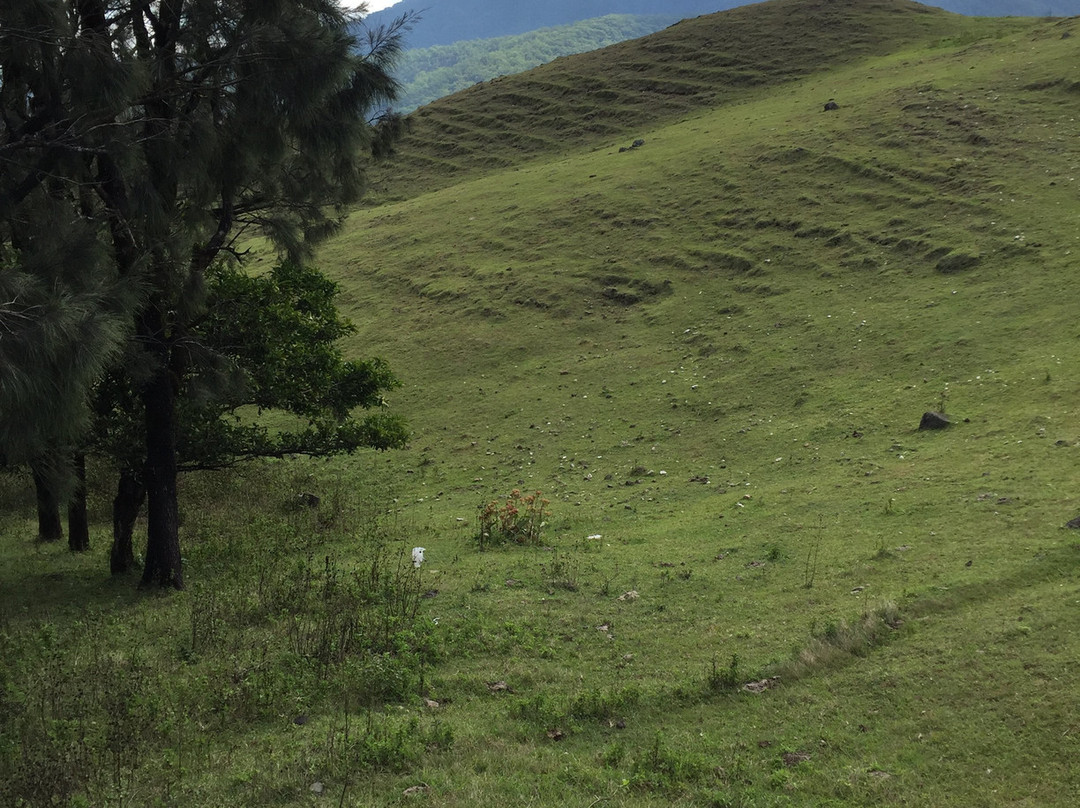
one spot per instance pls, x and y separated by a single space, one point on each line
447 21
430 73
444 22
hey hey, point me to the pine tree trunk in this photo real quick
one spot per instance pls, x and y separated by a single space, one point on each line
130 495
162 565
50 528
78 523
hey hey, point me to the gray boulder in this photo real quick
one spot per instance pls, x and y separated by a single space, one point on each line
934 420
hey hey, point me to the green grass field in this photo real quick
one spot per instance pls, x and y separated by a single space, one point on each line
710 353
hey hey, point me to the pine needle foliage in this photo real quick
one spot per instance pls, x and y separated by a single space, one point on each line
164 134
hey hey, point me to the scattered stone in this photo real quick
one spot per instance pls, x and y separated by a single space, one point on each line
316 787
830 105
430 593
934 420
761 685
309 500
300 720
631 595
1073 523
556 734
795 758
499 687
879 774
764 744
431 704
416 791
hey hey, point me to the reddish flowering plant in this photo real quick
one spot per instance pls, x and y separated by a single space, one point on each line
519 519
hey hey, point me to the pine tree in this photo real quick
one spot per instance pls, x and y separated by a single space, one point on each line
157 135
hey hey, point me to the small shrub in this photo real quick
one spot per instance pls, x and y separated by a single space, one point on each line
382 743
603 705
560 573
518 520
662 768
539 709
719 679
839 641
613 754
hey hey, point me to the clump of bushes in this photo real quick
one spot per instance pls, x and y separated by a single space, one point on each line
518 520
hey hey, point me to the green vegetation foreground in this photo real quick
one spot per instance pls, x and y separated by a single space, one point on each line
755 581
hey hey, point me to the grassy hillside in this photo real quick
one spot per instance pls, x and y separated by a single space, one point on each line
703 63
758 583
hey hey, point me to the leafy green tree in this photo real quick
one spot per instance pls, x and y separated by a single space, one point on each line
156 135
265 377
278 335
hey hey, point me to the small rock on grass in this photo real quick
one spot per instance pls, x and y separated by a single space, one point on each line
934 420
761 685
795 758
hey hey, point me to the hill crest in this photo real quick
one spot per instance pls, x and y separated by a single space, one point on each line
592 98
449 21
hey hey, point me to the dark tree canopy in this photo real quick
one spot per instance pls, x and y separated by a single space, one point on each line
141 141
264 376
